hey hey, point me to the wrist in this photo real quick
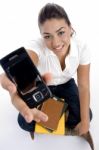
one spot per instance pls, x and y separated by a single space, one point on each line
85 123
85 118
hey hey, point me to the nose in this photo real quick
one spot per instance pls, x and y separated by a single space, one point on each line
56 42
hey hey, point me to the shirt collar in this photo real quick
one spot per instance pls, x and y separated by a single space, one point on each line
72 53
73 48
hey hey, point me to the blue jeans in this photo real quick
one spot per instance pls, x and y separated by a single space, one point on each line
69 92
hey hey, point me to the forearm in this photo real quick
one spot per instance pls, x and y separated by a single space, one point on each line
84 94
33 56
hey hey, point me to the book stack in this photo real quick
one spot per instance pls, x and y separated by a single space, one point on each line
57 112
55 108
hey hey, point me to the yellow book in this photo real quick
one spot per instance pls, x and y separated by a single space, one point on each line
60 129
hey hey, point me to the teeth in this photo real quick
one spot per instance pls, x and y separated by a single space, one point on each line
58 48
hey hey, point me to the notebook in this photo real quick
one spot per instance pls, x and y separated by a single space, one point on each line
60 129
54 109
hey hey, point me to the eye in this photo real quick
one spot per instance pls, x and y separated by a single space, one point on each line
61 32
47 37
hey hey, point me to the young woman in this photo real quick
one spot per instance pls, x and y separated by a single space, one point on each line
60 53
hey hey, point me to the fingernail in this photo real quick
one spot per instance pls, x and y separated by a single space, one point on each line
44 118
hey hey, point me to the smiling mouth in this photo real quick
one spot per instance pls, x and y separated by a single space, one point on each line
58 48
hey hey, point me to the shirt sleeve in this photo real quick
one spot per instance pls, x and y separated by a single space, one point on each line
85 56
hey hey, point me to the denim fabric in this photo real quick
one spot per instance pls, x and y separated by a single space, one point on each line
24 125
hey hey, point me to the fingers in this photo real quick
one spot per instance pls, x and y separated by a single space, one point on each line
34 114
81 129
28 114
47 77
23 108
39 116
7 84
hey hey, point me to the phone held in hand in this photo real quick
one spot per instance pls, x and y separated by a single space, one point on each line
21 70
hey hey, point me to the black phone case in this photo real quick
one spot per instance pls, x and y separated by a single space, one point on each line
39 94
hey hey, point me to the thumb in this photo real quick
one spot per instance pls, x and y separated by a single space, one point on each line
11 88
47 77
28 117
7 84
27 114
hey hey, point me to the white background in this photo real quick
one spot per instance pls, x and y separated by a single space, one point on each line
18 24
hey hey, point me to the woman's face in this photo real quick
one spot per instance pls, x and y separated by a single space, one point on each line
56 34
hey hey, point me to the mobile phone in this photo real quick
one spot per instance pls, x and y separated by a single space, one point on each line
21 70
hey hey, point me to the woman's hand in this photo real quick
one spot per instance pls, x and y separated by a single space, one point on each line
82 127
26 112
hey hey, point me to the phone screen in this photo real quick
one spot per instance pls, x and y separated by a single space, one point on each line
23 75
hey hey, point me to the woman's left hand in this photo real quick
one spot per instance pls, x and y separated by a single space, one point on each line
82 127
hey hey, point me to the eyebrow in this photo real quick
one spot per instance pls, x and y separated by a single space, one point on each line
55 31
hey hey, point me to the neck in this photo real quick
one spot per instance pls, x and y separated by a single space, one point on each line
62 58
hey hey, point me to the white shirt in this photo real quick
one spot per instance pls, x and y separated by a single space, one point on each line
49 62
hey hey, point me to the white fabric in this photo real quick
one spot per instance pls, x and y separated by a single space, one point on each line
48 61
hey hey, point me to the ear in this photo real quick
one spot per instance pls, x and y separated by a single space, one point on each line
72 31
